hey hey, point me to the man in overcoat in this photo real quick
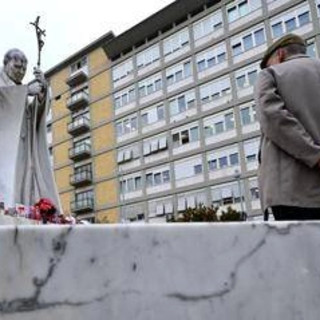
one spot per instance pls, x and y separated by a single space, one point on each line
287 96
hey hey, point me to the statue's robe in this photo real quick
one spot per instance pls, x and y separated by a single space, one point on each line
25 171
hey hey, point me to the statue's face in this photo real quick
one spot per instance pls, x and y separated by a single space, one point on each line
16 67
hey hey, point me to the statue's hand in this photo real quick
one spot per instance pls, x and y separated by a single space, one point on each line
39 76
35 88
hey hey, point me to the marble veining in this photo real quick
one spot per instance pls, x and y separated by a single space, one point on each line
150 272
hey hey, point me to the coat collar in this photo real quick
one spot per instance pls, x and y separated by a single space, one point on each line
297 56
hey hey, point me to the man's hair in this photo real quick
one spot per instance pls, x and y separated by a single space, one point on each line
295 48
14 53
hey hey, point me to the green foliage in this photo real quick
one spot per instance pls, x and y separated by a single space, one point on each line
198 214
231 215
207 214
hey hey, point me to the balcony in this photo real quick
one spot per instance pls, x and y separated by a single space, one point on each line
77 77
81 151
82 206
78 100
79 125
81 178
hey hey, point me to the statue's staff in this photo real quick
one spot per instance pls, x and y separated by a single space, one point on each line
40 33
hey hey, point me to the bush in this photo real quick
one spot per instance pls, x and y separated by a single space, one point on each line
231 215
207 214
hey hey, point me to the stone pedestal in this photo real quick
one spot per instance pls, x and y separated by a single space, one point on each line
229 271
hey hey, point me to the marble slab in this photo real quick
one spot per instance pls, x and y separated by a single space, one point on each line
220 271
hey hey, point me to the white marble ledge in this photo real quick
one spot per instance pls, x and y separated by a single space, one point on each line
153 272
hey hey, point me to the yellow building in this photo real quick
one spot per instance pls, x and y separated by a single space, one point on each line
82 132
162 117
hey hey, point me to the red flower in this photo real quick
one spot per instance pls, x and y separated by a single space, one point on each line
46 209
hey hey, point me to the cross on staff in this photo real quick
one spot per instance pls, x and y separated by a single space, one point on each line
40 33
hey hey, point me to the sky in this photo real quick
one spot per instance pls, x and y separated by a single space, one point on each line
70 25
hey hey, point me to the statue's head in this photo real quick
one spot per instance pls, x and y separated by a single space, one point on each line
15 65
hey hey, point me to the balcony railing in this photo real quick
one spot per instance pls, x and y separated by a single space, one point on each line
80 151
82 206
79 125
78 100
77 77
81 178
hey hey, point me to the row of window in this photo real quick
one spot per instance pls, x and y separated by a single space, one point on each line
221 162
223 195
210 91
291 20
155 117
217 88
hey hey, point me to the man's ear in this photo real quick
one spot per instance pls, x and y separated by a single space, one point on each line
282 54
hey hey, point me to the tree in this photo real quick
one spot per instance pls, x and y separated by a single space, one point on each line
202 213
232 215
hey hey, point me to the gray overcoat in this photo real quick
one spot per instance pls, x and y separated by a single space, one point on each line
288 103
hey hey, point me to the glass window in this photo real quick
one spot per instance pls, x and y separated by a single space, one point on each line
223 162
251 158
259 37
157 178
212 164
187 69
158 84
254 190
234 159
290 24
149 179
185 137
130 184
134 124
208 131
211 62
198 169
119 129
236 49
311 49
241 81
138 183
304 18
142 91
207 25
144 119
277 30
182 103
232 14
222 57
247 42
243 8
170 79
166 176
229 121
201 65
176 42
160 112
179 75
194 134
252 76
245 116
176 139
218 127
